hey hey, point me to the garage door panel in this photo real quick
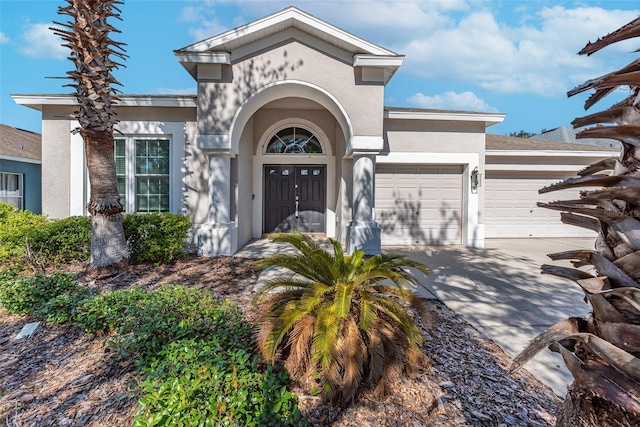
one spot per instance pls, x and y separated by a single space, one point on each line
419 204
511 209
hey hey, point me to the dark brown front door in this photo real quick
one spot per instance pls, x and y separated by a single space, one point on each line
294 198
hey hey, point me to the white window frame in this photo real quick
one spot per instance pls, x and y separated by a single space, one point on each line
130 170
4 193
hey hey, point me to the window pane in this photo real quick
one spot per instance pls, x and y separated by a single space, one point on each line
142 203
122 190
152 194
10 189
294 140
120 155
152 156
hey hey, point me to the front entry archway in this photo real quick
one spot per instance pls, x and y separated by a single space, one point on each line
294 198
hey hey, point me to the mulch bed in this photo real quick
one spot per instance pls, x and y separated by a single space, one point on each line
60 376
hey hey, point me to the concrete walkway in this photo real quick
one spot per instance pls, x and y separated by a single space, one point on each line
499 290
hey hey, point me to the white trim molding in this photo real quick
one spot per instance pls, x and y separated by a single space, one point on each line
38 101
551 153
20 159
410 114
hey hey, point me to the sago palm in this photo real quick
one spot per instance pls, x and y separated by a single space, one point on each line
344 320
87 35
602 352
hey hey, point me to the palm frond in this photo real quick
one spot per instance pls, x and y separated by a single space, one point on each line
404 321
342 299
300 338
352 354
325 336
282 286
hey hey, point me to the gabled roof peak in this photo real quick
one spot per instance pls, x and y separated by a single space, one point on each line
279 21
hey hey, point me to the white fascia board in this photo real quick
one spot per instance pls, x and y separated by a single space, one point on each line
534 167
377 60
20 159
37 101
203 57
551 153
488 118
282 16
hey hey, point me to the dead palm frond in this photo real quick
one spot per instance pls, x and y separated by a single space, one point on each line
602 352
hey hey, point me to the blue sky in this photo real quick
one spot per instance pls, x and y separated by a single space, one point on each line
513 57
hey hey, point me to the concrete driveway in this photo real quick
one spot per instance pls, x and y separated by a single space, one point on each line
500 291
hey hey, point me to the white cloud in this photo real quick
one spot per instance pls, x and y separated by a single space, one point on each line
537 56
40 42
464 101
3 38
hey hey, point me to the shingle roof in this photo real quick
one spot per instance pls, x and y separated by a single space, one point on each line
501 142
20 143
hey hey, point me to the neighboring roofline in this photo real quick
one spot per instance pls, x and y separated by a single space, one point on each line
468 116
549 153
279 17
38 101
20 159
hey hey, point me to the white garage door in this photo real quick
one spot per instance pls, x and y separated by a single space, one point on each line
419 204
511 210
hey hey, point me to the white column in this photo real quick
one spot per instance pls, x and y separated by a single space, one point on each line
220 236
219 188
363 232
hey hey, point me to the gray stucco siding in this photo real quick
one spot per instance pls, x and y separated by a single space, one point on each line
292 61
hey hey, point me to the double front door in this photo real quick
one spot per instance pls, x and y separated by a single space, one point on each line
294 198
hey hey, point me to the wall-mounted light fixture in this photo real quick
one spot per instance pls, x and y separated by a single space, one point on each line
476 180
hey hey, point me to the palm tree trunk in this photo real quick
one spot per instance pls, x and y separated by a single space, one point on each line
108 243
581 408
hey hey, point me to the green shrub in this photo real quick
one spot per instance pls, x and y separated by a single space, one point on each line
15 226
53 298
156 237
203 383
64 240
145 321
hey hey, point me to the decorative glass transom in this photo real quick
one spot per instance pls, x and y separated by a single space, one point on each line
294 140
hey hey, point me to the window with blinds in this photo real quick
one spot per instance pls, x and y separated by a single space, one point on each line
11 191
142 170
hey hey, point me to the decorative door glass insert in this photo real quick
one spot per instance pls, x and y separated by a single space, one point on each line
294 140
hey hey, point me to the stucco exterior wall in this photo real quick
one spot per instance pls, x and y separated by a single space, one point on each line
31 182
433 136
196 178
286 62
56 167
244 191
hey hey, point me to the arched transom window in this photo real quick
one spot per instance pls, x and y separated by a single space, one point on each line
294 140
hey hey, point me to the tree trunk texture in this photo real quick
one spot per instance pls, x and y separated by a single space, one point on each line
108 243
581 408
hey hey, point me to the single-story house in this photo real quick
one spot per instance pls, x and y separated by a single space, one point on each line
20 176
288 131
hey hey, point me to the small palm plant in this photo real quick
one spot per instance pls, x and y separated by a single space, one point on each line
341 319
